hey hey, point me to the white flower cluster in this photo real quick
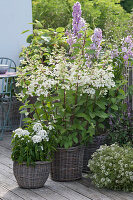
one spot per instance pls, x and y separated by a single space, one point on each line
40 134
67 75
37 136
20 132
112 167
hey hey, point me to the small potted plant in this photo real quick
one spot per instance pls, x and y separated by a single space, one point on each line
31 152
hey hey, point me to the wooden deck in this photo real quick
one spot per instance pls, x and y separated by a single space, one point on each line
77 190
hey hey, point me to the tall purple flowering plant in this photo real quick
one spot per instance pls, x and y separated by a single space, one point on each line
78 25
78 21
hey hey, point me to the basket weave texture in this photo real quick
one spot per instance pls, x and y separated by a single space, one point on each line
31 176
14 114
90 149
67 164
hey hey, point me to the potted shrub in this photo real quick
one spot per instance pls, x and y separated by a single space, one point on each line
76 91
31 152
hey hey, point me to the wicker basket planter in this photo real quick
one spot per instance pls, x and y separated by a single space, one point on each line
31 176
67 164
14 114
91 148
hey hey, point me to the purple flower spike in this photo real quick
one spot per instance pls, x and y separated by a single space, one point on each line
78 25
96 39
127 48
97 36
78 21
77 11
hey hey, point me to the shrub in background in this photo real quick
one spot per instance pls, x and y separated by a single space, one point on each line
96 12
121 128
51 13
127 5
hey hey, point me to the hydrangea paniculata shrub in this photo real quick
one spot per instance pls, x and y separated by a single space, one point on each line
75 89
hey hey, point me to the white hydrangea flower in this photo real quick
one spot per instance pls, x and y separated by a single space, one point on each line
18 132
25 132
37 127
42 133
36 139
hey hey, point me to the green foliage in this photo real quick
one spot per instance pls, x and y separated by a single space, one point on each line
121 127
127 5
51 13
105 14
76 88
76 117
112 167
42 42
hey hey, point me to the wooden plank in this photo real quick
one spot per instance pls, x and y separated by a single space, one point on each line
6 142
50 186
115 195
49 194
5 194
126 195
12 186
54 187
6 161
65 191
42 193
92 193
5 151
6 171
86 191
31 194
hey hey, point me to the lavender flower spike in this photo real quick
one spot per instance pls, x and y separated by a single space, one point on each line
78 21
96 39
78 25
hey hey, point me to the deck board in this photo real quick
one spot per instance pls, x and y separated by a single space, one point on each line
77 190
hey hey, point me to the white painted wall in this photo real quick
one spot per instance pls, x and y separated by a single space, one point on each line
15 16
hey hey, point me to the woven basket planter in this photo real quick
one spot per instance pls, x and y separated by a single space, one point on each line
31 176
67 164
90 149
14 114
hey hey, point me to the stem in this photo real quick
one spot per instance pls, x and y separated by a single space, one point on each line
76 95
64 98
84 44
64 106
36 112
86 109
45 110
56 92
